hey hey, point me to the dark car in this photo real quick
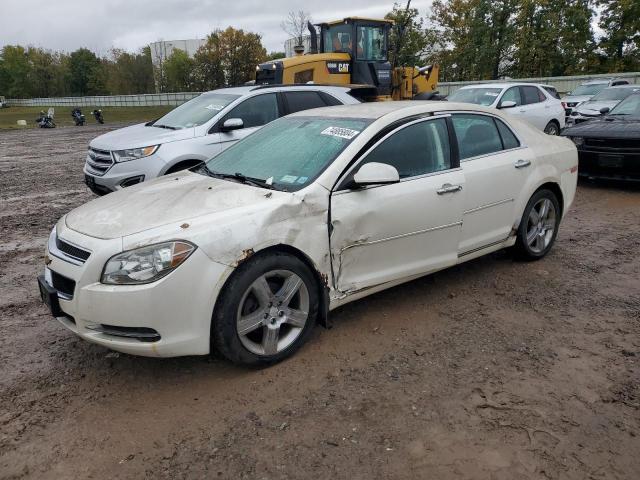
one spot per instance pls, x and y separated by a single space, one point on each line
609 146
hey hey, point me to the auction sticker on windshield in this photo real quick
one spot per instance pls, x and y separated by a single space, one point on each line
340 132
214 107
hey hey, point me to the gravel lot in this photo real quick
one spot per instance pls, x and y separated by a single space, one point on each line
492 370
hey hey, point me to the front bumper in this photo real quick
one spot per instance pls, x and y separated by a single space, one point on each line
124 174
609 166
167 318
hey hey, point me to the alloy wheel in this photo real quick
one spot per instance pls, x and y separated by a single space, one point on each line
541 225
272 312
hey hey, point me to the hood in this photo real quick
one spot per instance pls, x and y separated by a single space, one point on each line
576 99
165 200
593 107
605 127
140 135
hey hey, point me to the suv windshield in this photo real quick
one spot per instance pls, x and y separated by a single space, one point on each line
196 111
590 89
288 153
629 106
613 94
479 96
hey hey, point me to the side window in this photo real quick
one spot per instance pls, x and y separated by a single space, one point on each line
620 82
298 101
530 95
553 92
477 135
513 95
255 111
541 96
509 140
418 149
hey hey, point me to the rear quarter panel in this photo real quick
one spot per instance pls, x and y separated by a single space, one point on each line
555 160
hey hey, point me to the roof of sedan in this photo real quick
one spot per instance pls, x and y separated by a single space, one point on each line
376 110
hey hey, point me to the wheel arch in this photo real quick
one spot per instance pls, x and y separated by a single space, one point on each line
322 280
555 188
182 165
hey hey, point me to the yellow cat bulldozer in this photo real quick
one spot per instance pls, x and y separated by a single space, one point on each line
353 52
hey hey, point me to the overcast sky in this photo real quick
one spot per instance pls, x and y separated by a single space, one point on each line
132 24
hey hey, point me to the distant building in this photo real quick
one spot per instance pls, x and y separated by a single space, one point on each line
163 49
289 44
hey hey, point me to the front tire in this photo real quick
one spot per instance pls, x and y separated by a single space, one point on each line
539 225
266 311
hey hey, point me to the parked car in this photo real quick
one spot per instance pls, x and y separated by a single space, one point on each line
601 103
536 103
586 90
609 146
314 210
196 131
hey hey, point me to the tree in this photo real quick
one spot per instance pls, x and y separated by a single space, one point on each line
14 72
130 73
553 38
179 71
228 58
295 25
620 22
85 71
275 55
409 41
479 36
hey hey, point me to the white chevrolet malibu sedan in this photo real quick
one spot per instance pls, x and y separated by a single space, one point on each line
246 254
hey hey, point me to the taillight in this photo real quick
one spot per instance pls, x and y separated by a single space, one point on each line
564 104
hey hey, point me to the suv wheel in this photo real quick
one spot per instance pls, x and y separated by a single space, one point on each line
552 128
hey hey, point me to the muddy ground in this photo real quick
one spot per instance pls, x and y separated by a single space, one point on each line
491 370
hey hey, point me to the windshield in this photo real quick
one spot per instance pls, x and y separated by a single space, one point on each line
479 96
629 106
590 89
615 93
288 153
196 111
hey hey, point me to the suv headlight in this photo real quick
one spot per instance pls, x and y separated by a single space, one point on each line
578 140
134 153
146 264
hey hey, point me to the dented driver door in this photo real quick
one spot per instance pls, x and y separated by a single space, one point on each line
386 233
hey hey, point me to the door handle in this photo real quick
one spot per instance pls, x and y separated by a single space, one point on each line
522 163
448 188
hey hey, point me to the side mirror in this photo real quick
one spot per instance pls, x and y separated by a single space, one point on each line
375 173
605 110
507 104
232 124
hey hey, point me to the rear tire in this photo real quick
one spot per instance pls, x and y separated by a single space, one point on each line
552 128
539 226
266 311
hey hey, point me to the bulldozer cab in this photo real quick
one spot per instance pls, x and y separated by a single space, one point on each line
367 43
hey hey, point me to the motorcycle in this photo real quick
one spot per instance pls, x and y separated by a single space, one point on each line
46 119
97 114
78 117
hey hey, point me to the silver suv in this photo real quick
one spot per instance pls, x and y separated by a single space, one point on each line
196 131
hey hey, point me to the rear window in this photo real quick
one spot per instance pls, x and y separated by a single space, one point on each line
477 135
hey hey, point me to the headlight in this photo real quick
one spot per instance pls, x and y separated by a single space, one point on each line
134 153
146 264
578 140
